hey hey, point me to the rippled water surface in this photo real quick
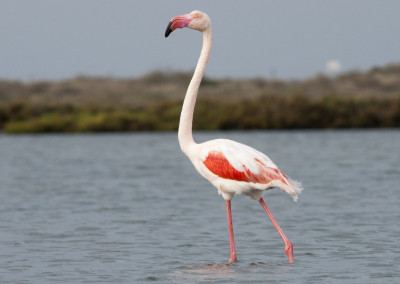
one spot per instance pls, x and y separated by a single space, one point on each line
130 208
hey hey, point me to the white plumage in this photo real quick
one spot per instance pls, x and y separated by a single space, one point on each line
241 157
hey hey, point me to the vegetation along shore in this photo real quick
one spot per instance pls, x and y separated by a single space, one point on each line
153 103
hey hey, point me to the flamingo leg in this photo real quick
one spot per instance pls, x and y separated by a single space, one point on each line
288 244
230 227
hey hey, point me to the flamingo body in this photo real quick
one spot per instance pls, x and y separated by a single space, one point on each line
232 167
235 168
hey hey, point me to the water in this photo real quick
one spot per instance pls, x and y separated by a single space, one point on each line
130 208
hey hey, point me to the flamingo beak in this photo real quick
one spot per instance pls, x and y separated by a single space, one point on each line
178 22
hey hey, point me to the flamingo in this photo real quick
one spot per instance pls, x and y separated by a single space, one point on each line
232 167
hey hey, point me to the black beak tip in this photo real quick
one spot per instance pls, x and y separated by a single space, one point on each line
168 30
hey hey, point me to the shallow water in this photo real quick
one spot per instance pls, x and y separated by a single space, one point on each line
130 208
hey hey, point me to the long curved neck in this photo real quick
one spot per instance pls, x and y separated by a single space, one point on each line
185 135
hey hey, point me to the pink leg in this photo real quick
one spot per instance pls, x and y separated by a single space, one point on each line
288 244
230 226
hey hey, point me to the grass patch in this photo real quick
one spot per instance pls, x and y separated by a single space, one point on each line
153 102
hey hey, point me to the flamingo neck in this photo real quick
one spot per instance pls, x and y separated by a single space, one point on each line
185 135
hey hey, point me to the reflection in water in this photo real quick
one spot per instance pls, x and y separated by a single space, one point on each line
204 272
226 272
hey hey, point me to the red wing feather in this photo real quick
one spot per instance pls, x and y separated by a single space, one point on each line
219 165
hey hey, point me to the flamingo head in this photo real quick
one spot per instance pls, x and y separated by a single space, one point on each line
196 20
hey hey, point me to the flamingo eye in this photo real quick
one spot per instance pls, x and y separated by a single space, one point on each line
196 15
